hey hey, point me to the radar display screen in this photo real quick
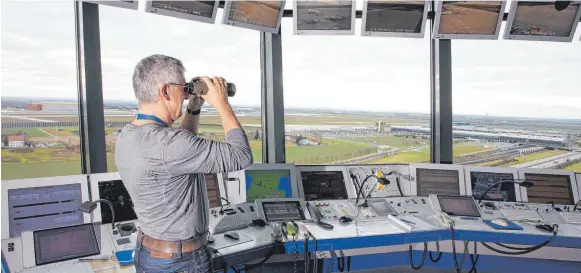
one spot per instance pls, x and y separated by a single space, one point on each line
66 243
324 15
436 181
197 8
470 17
266 14
324 185
458 205
283 211
116 193
482 180
44 207
394 16
263 184
550 188
549 19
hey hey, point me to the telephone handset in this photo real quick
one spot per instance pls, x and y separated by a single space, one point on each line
290 229
443 218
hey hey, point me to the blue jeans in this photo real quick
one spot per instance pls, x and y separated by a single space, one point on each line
198 261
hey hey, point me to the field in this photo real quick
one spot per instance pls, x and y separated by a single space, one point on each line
423 155
32 132
574 167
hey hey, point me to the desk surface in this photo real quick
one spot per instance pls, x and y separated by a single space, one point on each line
111 266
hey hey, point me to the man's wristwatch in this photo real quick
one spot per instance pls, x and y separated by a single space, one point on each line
193 112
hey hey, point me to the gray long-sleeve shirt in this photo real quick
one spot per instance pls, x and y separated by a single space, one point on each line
162 169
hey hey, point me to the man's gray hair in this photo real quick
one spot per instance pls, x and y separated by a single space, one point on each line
153 71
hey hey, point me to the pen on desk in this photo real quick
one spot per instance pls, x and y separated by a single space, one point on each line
407 221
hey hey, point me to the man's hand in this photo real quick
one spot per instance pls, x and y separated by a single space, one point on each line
217 95
195 102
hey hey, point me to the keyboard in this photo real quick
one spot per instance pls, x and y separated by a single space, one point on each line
231 219
517 215
571 217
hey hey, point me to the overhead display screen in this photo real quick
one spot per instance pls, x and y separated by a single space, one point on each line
437 181
324 185
543 21
550 188
116 193
482 180
44 207
204 11
469 19
258 15
263 184
404 17
324 17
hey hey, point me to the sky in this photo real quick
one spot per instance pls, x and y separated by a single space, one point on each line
497 78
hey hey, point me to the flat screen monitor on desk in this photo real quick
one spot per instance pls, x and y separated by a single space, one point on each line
42 203
109 186
458 205
478 179
279 209
324 183
264 181
437 179
556 186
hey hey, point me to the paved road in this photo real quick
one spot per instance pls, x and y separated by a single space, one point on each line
550 162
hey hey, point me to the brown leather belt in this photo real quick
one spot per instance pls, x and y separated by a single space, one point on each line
165 249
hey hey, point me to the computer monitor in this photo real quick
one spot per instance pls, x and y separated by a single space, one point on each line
279 210
201 11
263 181
357 174
394 18
42 203
550 186
258 15
543 20
324 183
468 19
109 186
437 179
455 205
478 179
324 17
128 4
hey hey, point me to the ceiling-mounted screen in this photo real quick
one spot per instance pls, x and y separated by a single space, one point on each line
258 15
116 3
202 11
394 18
468 19
543 21
324 17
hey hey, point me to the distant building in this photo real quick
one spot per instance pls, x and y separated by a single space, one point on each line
60 107
33 107
15 141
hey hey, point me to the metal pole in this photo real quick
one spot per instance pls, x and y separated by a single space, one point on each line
272 98
91 116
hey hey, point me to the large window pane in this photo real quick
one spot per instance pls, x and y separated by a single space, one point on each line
517 103
205 50
354 99
40 132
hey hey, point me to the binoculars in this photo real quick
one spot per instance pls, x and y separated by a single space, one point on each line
197 87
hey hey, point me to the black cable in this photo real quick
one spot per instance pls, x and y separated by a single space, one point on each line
397 183
361 188
315 260
576 205
418 267
457 266
474 260
349 264
439 253
235 269
512 247
261 262
524 250
306 253
341 263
